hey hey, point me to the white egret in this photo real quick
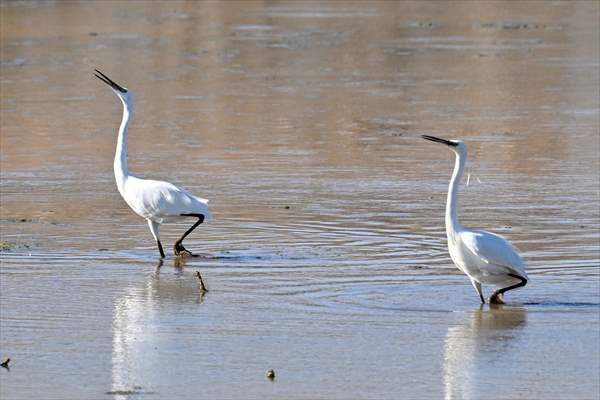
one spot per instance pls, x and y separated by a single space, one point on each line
485 257
156 201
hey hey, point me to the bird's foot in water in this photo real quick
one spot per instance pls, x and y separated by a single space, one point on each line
181 251
497 298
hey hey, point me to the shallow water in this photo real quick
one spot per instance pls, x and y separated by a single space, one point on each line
327 257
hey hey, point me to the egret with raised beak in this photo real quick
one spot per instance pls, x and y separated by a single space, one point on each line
155 201
485 257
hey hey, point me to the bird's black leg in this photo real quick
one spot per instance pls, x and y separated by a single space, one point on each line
178 247
154 229
162 253
497 296
477 287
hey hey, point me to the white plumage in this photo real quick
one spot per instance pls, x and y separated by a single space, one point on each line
486 258
156 201
161 201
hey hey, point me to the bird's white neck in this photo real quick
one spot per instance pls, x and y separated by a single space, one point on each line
120 164
452 224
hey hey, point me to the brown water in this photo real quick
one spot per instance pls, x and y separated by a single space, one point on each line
300 121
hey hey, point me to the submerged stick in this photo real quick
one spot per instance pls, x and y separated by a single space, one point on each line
202 287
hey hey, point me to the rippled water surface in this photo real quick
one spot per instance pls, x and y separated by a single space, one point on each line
326 260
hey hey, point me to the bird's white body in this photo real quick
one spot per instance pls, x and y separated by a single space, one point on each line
160 201
155 201
486 258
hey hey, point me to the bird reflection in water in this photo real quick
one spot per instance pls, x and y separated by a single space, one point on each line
178 264
142 327
485 341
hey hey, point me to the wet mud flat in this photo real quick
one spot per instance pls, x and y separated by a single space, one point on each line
327 260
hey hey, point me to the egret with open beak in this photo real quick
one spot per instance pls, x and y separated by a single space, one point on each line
155 201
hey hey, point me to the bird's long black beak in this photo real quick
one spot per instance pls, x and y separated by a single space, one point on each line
439 140
109 82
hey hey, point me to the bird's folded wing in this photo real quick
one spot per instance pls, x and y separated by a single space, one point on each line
200 199
493 249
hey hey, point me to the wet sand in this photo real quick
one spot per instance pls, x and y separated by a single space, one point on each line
327 260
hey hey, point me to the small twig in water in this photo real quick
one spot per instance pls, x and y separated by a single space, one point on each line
202 287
